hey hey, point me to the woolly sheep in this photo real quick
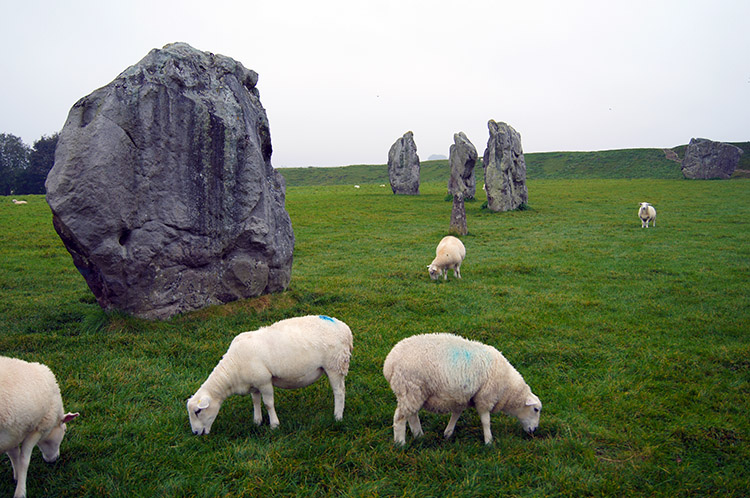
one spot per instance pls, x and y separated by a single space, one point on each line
17 202
31 414
446 373
290 354
449 254
647 213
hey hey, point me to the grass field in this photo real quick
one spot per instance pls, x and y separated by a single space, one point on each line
637 342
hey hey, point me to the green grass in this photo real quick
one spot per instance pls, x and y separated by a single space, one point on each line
636 341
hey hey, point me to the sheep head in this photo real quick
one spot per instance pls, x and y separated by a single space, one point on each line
50 444
434 271
202 412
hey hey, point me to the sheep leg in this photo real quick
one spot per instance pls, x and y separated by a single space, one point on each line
451 424
399 427
415 425
457 272
14 455
338 387
257 413
267 394
484 417
21 465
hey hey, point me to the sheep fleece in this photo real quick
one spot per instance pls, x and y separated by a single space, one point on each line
34 404
447 373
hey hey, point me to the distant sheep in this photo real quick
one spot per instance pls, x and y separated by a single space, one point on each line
17 202
449 255
647 214
290 354
31 414
446 373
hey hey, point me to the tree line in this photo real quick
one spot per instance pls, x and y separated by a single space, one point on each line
23 169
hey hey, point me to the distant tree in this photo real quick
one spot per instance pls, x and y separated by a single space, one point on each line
41 160
14 159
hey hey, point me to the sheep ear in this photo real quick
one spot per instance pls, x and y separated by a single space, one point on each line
203 403
532 400
69 416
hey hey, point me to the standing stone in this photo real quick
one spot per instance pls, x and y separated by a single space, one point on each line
403 166
504 169
163 190
706 159
463 158
458 216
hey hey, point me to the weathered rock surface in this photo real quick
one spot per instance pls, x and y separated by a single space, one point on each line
458 216
504 169
463 158
705 159
403 166
163 190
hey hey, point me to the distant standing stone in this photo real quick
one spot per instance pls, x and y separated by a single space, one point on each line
705 159
463 158
458 216
163 190
403 166
504 169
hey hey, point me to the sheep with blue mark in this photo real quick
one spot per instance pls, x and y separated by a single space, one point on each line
289 354
445 373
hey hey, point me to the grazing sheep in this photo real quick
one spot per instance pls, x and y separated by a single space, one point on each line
446 373
31 414
290 354
17 202
647 213
449 254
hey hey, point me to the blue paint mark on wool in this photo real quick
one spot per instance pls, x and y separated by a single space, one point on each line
461 356
323 317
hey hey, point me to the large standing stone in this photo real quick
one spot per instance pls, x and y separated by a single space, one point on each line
163 190
504 169
463 158
705 159
403 166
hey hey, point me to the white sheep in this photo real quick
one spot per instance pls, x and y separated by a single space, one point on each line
449 255
446 373
17 202
647 213
31 414
290 354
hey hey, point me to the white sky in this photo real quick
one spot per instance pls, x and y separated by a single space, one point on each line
341 80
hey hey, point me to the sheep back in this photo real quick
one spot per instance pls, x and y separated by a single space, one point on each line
450 251
292 347
445 372
31 401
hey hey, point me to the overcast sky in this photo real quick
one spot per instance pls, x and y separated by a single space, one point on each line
341 80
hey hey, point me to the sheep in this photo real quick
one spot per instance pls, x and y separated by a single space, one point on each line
31 414
290 354
17 202
647 213
446 373
449 254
